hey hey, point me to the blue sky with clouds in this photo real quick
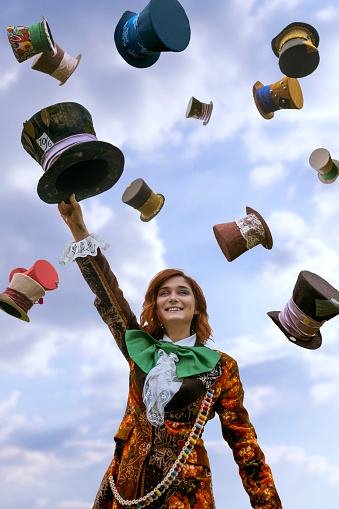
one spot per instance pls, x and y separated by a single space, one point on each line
63 383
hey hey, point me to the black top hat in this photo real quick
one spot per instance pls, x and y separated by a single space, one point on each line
317 301
141 197
296 47
161 26
62 139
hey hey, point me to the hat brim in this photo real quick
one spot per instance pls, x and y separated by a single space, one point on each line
269 239
312 344
78 58
296 24
86 169
11 308
256 86
146 219
143 62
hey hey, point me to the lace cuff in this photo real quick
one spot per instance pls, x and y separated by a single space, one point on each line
87 247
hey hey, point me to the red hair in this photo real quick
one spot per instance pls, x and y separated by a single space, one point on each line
149 320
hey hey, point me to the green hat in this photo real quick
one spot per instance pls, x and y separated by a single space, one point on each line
27 41
61 138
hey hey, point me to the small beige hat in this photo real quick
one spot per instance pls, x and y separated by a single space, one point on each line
60 66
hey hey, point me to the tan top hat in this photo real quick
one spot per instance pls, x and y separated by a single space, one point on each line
60 66
27 287
141 197
283 95
197 109
239 236
326 167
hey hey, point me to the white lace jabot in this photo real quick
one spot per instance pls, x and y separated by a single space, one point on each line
87 247
162 382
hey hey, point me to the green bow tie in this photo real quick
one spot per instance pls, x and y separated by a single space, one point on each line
193 360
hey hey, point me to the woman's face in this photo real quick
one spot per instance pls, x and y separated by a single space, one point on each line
176 302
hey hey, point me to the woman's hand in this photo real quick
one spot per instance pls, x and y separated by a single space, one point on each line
72 215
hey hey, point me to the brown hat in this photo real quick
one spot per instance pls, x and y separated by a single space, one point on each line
239 236
26 287
282 95
314 301
296 46
326 167
197 109
141 197
60 66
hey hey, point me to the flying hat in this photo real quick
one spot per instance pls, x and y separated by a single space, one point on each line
61 138
196 109
297 49
326 167
284 94
161 26
314 301
139 196
239 236
59 66
27 287
27 41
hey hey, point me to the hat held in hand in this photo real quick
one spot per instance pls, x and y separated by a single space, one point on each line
314 301
326 167
27 287
139 196
161 26
239 236
297 49
283 95
197 109
60 66
61 138
27 41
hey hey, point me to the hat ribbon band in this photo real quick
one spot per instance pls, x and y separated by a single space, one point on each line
331 174
151 206
206 110
59 147
265 99
251 230
297 323
19 299
65 68
131 39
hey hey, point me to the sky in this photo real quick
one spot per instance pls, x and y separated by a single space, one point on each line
63 382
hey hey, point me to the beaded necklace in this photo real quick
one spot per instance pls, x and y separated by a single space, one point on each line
177 465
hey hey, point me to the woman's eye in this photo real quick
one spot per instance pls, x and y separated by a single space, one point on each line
163 293
184 292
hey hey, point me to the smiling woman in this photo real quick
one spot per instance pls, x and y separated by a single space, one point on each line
176 385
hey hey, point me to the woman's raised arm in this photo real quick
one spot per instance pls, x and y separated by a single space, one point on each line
109 300
72 215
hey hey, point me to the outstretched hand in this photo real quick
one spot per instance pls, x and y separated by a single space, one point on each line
71 213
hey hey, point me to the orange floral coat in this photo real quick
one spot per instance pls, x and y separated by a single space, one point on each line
144 453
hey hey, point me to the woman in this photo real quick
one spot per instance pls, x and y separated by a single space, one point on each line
176 385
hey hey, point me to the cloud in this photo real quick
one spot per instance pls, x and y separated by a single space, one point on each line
267 175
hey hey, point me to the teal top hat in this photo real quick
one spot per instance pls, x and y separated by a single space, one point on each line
27 41
296 46
161 26
61 138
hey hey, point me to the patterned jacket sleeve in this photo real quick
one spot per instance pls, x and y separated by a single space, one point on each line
240 435
109 301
